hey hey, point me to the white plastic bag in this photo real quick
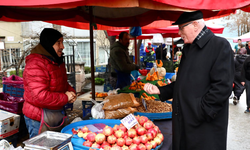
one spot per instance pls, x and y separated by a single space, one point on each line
96 111
113 92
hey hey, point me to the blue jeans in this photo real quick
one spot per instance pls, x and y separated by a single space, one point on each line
32 126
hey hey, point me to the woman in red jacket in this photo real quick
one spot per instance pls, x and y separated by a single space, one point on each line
45 80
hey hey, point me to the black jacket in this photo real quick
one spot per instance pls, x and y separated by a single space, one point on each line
200 94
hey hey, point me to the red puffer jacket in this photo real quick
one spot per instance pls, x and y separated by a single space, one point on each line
45 84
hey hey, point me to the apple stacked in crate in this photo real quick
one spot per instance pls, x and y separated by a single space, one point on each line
143 136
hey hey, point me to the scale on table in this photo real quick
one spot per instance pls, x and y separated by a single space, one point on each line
49 140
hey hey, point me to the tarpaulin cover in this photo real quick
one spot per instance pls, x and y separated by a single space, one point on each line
10 103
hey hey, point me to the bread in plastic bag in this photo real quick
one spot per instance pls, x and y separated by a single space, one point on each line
119 113
113 92
122 100
96 111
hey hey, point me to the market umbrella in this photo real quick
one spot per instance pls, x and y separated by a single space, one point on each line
244 38
110 13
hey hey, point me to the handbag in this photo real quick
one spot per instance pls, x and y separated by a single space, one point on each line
52 120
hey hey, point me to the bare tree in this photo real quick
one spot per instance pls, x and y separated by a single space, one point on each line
239 21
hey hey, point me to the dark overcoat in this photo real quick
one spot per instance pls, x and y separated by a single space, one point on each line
200 94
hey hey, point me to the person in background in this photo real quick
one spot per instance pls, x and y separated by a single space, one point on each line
158 52
246 81
149 50
238 46
45 80
120 61
238 63
248 47
202 87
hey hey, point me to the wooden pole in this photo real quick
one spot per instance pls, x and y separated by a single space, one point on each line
135 50
92 52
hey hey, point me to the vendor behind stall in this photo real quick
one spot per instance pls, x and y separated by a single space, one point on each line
120 61
46 89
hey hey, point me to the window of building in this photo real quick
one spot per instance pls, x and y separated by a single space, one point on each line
103 56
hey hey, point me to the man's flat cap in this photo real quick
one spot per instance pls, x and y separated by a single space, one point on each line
188 16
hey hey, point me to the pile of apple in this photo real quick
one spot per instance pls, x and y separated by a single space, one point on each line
143 136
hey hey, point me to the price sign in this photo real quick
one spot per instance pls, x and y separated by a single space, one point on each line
129 121
144 103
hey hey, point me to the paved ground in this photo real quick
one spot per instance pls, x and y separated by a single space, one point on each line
239 126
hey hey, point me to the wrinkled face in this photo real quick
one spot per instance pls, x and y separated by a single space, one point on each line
187 32
58 47
125 40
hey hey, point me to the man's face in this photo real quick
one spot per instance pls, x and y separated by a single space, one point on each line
248 44
239 41
58 47
125 40
186 31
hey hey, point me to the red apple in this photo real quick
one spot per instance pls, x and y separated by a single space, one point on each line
148 146
87 143
141 147
136 140
144 139
157 140
119 133
95 145
133 147
116 127
148 125
142 120
140 130
150 136
91 136
154 144
153 132
128 141
100 138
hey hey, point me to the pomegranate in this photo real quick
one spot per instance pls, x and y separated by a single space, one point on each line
153 132
157 140
157 129
87 143
91 136
148 146
137 118
99 138
120 142
132 133
154 144
85 129
125 135
116 147
137 125
119 133
84 136
150 136
104 144
123 128
107 148
111 139
133 147
80 134
148 125
144 139
128 141
136 140
160 135
125 147
141 147
74 131
95 145
142 120
116 127
108 130
140 130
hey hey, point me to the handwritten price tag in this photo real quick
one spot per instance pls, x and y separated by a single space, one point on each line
129 121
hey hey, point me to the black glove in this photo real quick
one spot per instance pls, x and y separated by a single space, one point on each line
137 67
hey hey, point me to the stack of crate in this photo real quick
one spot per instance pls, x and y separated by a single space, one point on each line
13 88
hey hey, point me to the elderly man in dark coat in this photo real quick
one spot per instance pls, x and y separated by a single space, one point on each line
202 88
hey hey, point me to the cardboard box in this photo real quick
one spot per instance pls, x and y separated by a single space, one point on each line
9 124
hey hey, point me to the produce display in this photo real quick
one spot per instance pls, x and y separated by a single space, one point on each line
101 94
154 76
143 136
154 106
137 86
146 97
161 83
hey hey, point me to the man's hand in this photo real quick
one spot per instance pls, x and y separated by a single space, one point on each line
243 83
151 89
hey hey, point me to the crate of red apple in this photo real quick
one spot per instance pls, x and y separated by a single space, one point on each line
143 136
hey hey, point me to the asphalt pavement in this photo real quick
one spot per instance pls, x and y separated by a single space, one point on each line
239 125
